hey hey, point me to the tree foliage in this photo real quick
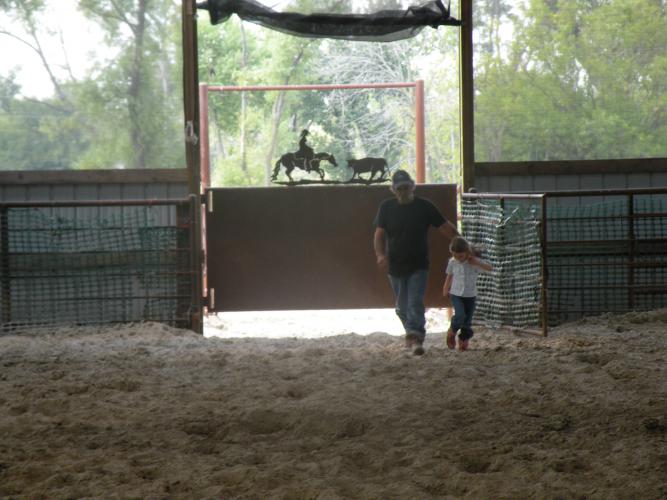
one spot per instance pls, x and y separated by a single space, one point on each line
579 80
125 111
554 80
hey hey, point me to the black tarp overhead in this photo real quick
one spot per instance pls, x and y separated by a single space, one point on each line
381 26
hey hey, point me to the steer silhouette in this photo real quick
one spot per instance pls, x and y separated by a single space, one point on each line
372 165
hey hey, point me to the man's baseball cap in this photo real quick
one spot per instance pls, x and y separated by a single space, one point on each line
401 178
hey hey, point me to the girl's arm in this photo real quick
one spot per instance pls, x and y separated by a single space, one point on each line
447 286
476 261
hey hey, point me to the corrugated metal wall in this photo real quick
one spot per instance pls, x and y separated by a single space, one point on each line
93 185
84 185
89 192
581 175
545 183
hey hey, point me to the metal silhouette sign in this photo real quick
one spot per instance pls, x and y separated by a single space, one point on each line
307 160
366 165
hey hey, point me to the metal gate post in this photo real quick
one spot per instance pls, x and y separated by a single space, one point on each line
196 314
4 266
631 251
545 269
420 148
204 158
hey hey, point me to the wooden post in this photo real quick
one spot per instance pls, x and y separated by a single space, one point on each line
466 93
190 98
191 111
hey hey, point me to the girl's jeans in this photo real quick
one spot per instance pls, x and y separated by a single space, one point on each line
409 292
464 307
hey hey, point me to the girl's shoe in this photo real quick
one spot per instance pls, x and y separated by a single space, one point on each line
451 339
463 345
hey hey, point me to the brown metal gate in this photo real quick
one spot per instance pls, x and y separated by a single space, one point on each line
306 247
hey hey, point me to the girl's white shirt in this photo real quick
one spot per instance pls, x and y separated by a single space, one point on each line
464 278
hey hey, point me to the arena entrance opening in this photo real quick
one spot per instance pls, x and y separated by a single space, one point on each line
306 248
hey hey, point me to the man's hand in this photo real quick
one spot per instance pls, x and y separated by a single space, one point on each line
383 263
380 248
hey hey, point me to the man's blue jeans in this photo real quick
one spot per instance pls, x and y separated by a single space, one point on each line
409 292
464 307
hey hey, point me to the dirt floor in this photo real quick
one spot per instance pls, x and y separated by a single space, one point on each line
147 411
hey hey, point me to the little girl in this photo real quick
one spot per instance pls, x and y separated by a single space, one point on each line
461 286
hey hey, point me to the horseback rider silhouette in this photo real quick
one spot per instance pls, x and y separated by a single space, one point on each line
305 152
305 159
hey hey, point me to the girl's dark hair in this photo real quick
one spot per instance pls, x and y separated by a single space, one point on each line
459 245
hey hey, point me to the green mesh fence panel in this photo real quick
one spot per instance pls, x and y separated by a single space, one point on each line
92 265
508 233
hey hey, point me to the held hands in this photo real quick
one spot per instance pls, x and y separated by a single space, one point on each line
476 261
473 260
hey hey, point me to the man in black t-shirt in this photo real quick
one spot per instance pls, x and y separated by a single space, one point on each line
401 249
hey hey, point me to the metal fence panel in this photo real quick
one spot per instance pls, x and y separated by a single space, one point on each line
95 262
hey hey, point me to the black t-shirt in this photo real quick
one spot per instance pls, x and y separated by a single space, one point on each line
406 227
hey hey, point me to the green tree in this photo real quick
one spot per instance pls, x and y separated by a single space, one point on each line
136 93
29 137
126 111
33 132
578 80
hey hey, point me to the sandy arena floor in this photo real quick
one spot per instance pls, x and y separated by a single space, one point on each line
147 411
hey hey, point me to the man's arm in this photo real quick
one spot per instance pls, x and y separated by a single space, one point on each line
380 247
448 230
